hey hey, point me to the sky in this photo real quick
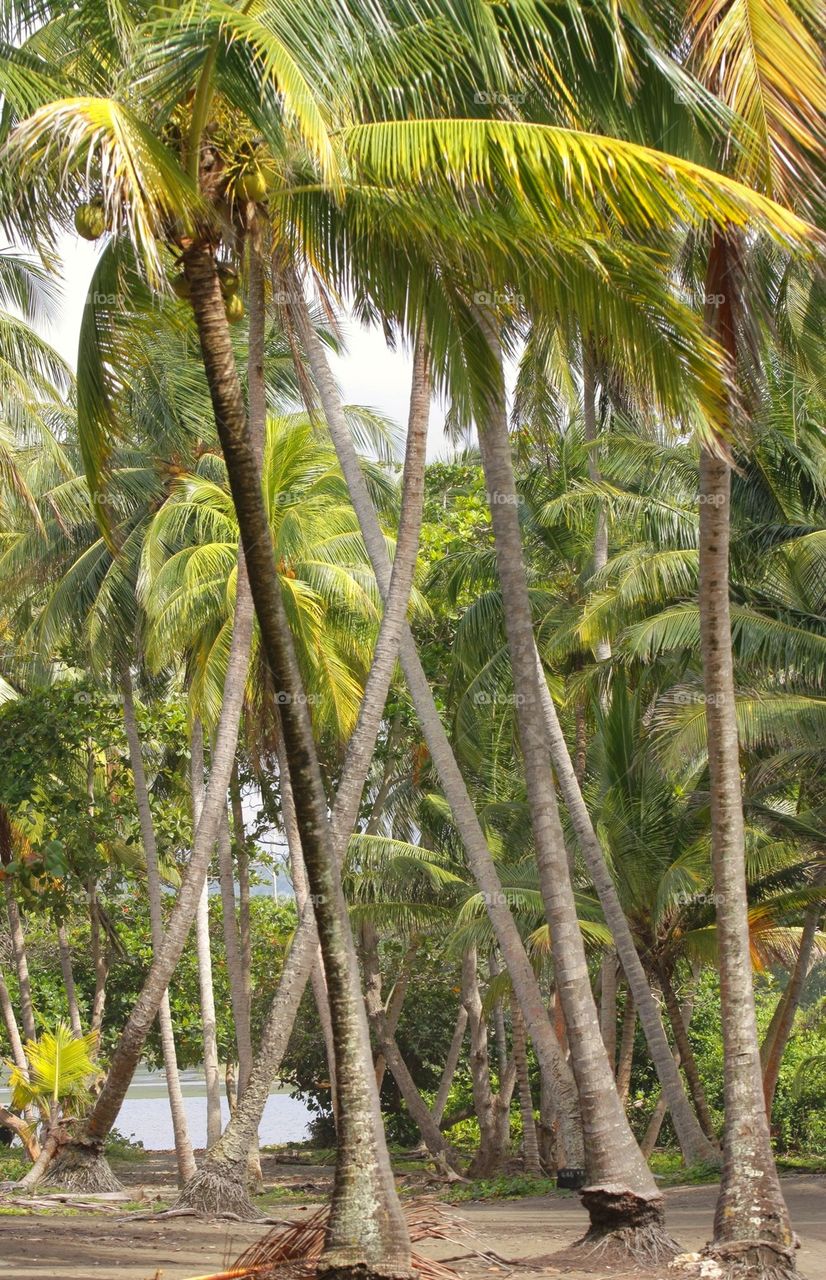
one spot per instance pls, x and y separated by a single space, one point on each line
369 373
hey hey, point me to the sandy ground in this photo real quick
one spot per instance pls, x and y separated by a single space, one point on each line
82 1246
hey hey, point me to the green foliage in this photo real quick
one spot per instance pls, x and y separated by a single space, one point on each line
59 1075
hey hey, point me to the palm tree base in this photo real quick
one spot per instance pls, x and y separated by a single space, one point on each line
218 1189
625 1225
749 1260
81 1166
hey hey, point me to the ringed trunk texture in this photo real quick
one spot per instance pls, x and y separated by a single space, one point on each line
612 1155
481 862
367 1232
752 1230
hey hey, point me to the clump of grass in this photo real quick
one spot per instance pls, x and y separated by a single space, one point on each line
669 1170
502 1187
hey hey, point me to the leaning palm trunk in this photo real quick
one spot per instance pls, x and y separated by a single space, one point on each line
367 1233
752 1231
523 979
302 893
12 1029
530 1145
81 1163
623 1201
232 949
492 1109
212 1075
69 980
220 1184
694 1143
451 1064
420 1113
180 1127
780 1027
21 962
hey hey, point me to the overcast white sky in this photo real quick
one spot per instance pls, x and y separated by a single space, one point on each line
368 374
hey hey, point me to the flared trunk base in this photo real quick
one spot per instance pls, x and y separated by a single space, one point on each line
748 1260
80 1167
625 1227
332 1268
218 1190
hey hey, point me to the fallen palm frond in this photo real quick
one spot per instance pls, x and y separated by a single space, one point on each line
297 1246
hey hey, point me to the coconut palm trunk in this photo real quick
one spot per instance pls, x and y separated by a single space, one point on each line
69 980
625 1059
694 1143
523 979
21 962
232 949
81 1164
420 1113
451 1064
530 1145
180 1127
687 1058
366 1232
622 1199
302 894
608 1005
492 1108
220 1184
752 1230
209 1025
12 1029
780 1027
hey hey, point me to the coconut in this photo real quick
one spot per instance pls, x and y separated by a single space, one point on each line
234 308
229 281
90 221
180 286
252 185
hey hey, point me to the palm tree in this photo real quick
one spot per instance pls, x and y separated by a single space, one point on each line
168 197
763 86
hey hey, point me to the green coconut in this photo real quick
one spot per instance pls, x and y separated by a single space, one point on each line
252 185
90 221
229 281
234 308
180 287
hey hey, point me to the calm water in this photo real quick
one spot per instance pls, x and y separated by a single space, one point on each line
144 1115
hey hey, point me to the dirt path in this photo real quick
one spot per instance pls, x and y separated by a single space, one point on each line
86 1246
